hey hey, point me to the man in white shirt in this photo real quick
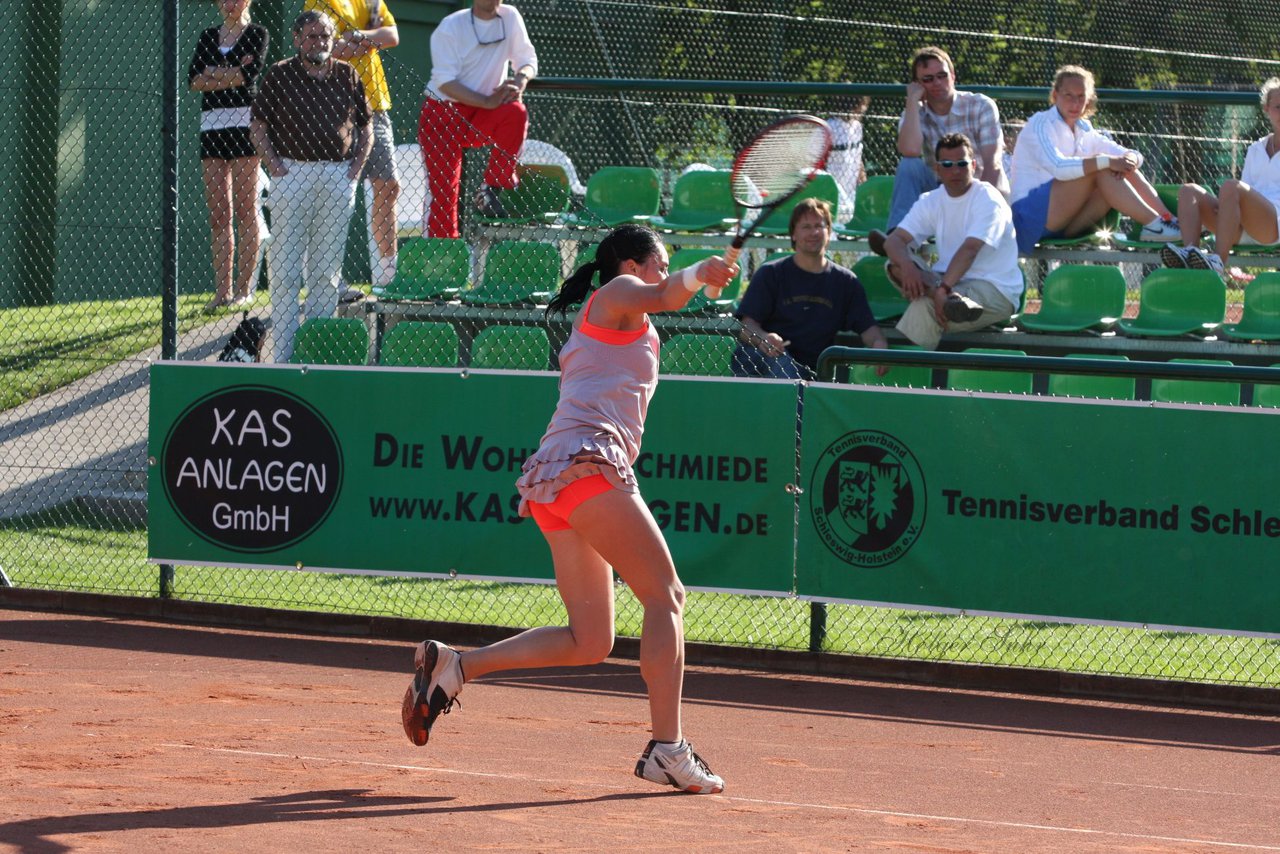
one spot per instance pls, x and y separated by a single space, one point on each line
976 281
471 102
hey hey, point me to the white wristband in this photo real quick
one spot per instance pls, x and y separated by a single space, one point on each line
1104 162
690 278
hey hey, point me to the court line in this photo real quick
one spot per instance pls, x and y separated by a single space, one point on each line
1013 825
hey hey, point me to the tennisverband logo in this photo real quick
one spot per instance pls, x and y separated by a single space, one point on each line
251 469
868 498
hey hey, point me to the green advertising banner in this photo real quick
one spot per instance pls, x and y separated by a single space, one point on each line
1097 511
413 471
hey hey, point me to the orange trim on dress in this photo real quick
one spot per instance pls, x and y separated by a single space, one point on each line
609 336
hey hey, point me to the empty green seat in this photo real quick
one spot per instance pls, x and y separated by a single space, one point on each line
418 343
701 201
1076 297
870 207
701 355
517 273
994 381
821 187
1267 394
886 302
1260 318
331 341
1092 385
542 192
1177 302
898 375
1196 391
687 258
520 348
618 194
430 268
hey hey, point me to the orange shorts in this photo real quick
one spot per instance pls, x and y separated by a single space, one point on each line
555 516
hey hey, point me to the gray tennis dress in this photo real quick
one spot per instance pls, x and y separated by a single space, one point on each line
607 378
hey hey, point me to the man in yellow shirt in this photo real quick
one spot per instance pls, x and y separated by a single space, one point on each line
365 28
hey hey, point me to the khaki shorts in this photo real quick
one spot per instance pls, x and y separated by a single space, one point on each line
381 165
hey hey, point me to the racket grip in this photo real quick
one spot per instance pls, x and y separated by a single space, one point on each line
731 255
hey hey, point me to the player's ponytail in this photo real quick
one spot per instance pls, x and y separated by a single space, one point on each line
625 243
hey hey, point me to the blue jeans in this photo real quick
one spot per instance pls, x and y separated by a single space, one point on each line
913 179
750 362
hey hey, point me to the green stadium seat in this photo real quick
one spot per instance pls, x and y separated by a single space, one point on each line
699 355
520 348
821 187
701 201
1177 302
699 303
1106 230
870 207
517 273
1267 394
1196 391
1260 318
618 194
898 376
430 268
423 344
1087 385
543 192
886 302
998 382
1078 297
331 341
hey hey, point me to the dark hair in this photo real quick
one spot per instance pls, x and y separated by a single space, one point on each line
625 243
954 140
930 53
311 16
821 207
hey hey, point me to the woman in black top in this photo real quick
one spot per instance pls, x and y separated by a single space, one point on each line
225 68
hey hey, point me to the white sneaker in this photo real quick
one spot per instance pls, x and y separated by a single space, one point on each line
1173 256
677 765
437 682
1198 259
385 271
1161 232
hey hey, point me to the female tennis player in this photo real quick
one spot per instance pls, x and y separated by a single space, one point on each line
580 489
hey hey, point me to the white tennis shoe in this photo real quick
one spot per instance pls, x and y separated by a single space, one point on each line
437 682
677 765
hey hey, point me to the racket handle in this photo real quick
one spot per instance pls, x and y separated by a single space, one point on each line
731 255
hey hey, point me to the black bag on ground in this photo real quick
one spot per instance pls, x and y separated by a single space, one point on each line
245 343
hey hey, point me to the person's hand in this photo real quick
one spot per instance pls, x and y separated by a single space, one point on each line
509 91
913 282
246 60
772 344
940 300
716 273
915 93
1126 164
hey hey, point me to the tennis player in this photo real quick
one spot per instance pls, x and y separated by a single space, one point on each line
580 489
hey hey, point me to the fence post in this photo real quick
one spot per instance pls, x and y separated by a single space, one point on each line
169 199
37 151
817 626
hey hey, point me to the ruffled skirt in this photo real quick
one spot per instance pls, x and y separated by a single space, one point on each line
562 460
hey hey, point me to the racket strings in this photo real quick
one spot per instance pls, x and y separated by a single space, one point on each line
778 162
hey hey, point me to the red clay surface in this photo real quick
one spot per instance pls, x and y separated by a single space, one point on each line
120 735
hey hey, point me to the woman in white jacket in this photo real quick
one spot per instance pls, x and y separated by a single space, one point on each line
1068 176
1245 209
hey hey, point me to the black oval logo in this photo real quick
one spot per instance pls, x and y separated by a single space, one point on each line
252 469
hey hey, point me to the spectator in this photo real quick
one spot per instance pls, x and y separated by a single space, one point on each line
793 308
311 124
1245 210
845 161
225 69
1068 176
472 103
365 30
976 281
934 109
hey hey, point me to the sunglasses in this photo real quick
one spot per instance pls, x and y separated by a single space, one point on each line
951 164
929 78
502 25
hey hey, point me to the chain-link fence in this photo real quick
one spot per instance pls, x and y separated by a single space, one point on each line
83 224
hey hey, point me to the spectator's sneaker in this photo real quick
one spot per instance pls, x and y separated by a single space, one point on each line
1161 232
489 205
350 294
677 765
437 682
1173 256
876 239
1198 259
961 309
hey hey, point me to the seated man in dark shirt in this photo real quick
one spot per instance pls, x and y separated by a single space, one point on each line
793 308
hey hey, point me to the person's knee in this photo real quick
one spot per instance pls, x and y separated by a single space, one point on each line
593 647
1230 190
667 598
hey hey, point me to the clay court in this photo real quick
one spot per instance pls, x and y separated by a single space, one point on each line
129 735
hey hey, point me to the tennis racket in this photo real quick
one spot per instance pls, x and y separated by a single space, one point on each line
772 168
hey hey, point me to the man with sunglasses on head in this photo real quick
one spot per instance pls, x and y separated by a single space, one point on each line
976 281
935 109
472 102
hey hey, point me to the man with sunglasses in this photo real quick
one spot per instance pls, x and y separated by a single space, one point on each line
976 280
934 109
471 102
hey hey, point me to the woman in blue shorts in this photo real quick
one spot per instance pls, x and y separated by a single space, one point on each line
580 489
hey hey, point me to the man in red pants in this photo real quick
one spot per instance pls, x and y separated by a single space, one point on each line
471 102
